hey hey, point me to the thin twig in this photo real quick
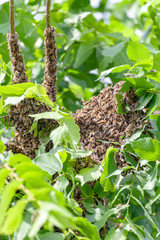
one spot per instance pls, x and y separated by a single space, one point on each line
48 3
132 185
22 187
4 116
12 22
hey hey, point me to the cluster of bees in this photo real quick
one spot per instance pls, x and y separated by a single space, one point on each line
27 142
101 126
50 63
16 57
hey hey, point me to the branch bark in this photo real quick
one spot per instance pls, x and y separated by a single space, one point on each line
48 4
12 21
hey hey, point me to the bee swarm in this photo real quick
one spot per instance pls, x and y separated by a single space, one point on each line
26 142
16 57
50 63
101 125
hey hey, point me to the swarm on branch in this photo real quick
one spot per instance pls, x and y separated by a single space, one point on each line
17 60
50 57
25 141
101 126
16 57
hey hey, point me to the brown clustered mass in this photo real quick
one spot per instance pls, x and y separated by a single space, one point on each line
101 126
27 142
50 63
17 60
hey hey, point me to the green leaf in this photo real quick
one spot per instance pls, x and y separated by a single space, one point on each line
14 217
49 163
86 228
3 174
47 115
51 236
55 212
144 100
139 83
115 70
116 233
119 97
137 52
88 174
61 184
147 64
156 62
151 179
153 104
146 214
6 198
113 51
67 132
13 100
26 224
2 146
79 153
36 181
58 135
147 148
109 166
129 159
39 93
83 53
17 159
135 135
15 90
133 228
100 223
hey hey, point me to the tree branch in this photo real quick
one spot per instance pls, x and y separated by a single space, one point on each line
12 22
48 3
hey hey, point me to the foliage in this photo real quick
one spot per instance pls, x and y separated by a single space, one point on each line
40 199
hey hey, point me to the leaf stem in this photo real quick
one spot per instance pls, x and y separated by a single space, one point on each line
12 22
132 184
22 187
48 3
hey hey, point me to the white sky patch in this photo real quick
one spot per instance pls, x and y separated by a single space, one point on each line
98 15
138 32
95 3
114 1
3 1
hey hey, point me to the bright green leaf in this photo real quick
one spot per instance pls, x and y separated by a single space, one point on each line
47 115
49 163
144 100
15 90
113 51
115 70
88 174
147 148
2 146
17 159
137 52
3 174
109 166
86 228
14 217
116 233
84 52
100 223
6 198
